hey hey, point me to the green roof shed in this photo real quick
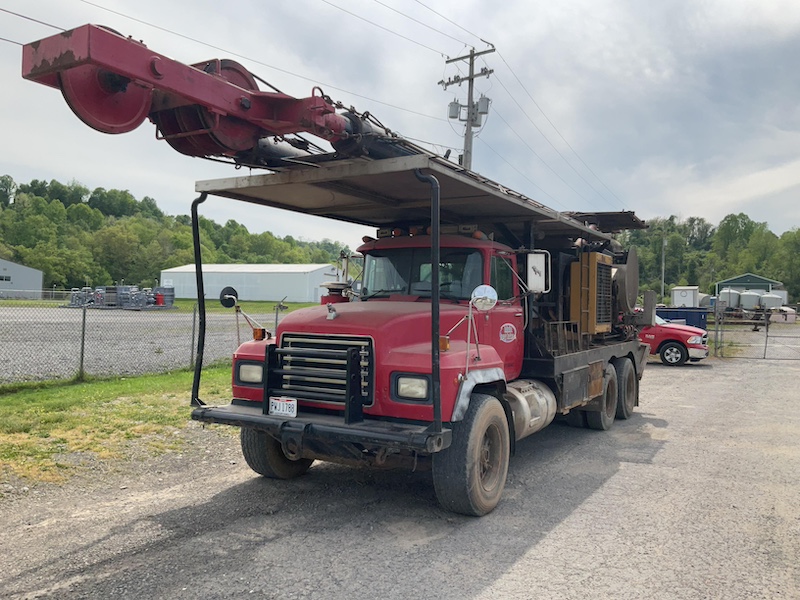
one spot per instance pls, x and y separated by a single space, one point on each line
748 281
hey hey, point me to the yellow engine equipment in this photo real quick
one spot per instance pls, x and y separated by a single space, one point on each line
590 293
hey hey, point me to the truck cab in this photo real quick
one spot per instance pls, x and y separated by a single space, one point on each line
390 323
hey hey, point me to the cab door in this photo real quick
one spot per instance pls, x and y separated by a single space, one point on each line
504 325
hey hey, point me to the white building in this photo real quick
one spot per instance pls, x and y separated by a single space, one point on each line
299 283
19 281
686 296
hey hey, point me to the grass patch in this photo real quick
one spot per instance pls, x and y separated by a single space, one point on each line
252 306
40 424
182 305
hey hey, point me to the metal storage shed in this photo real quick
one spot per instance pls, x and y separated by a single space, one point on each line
299 283
19 281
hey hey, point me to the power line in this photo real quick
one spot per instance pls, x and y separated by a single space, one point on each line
11 12
258 62
407 137
532 100
539 157
547 139
402 14
11 41
400 35
453 23
556 129
528 179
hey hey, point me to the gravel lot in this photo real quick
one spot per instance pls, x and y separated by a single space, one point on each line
695 497
45 343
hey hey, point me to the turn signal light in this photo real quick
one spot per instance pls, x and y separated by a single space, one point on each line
444 343
259 333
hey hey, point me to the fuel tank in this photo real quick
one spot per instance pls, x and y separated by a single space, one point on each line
533 404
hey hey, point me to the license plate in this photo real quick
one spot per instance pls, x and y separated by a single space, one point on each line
281 406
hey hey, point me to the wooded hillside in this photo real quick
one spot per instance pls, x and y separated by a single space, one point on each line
76 236
79 237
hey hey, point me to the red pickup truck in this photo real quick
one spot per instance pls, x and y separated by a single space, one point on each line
674 343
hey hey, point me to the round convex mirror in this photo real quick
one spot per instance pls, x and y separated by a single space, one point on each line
228 297
484 297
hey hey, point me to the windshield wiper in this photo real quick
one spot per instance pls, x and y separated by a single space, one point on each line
373 294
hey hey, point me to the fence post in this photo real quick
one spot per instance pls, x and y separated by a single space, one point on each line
194 331
81 373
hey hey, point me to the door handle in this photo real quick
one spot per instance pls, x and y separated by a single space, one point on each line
519 314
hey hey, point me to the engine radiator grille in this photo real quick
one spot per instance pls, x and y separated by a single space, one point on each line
314 367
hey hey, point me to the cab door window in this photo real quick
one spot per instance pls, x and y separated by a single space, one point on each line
503 277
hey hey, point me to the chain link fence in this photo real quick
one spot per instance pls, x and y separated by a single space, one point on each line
44 340
755 334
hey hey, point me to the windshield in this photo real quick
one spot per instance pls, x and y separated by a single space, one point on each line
660 321
407 271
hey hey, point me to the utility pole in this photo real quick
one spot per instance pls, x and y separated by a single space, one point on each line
474 110
663 264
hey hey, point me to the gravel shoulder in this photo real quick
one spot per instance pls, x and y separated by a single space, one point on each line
694 497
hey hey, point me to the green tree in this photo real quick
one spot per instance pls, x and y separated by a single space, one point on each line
115 203
7 190
69 195
85 217
733 233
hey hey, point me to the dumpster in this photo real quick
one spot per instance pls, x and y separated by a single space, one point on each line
696 317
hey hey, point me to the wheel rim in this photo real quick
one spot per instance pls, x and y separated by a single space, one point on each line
672 355
490 458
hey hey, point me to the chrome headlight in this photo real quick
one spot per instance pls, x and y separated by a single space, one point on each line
251 373
415 388
695 339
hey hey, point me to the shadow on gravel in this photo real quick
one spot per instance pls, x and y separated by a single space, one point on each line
703 365
342 532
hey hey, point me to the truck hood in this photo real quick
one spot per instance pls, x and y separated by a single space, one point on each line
686 329
402 322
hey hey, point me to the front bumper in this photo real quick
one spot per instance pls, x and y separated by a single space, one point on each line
309 428
698 353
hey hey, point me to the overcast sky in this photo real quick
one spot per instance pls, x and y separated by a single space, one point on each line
685 107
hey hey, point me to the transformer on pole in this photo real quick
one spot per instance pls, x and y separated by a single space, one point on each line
475 110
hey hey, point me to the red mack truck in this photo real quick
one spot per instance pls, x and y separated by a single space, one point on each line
481 316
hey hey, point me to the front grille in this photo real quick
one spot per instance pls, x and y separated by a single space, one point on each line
314 367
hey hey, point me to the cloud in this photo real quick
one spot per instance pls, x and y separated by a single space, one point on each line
686 106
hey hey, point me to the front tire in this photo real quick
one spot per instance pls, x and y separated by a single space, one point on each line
603 419
470 475
673 354
627 387
263 454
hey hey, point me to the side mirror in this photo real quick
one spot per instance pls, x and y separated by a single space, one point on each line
539 271
228 297
484 298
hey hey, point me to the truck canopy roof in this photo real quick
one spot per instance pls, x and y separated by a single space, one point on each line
386 193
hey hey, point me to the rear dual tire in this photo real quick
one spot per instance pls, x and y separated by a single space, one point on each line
603 419
627 386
